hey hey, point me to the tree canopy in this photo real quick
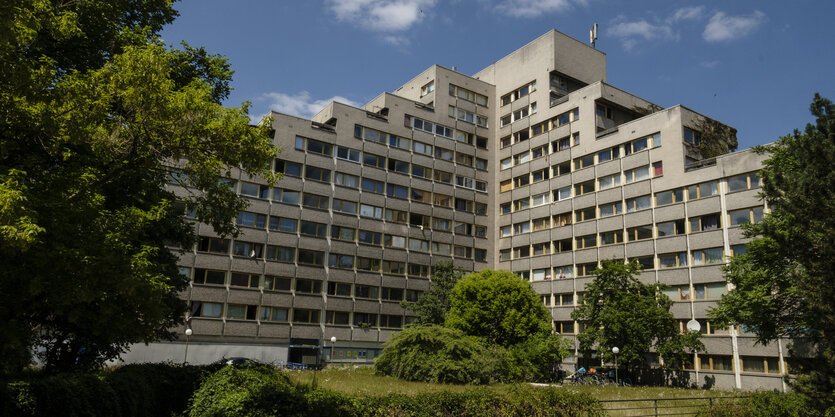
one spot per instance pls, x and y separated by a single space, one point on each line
433 305
497 306
95 111
785 283
619 311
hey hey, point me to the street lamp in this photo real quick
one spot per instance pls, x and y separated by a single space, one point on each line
188 334
333 342
615 350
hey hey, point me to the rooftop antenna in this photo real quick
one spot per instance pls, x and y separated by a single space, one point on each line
593 35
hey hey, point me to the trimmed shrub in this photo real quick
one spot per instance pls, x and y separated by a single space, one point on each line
437 354
247 391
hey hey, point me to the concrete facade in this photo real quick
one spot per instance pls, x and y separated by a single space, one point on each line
533 165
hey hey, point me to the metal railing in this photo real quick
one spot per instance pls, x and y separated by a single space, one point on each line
685 406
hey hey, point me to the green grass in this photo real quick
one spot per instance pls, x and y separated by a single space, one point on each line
362 381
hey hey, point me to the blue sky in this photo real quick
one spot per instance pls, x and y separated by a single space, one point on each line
754 65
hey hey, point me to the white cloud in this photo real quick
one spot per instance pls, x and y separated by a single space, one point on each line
722 27
631 32
301 104
709 64
381 15
533 8
687 13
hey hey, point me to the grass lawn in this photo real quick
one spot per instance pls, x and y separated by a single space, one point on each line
362 381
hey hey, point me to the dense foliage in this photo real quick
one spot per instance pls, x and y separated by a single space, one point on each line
619 311
764 404
433 353
433 305
498 307
785 283
144 390
93 110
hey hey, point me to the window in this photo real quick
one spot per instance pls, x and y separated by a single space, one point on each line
540 175
248 249
274 283
585 214
398 166
743 182
239 279
391 321
213 245
541 223
348 154
520 228
505 186
636 174
563 245
338 318
518 93
521 204
369 238
521 252
422 148
611 209
241 312
738 250
374 160
286 196
584 188
291 169
587 241
442 200
639 233
208 276
586 269
311 257
505 231
442 176
611 238
671 228
657 169
373 186
504 255
705 189
638 145
315 201
505 208
273 313
539 152
443 225
308 286
368 264
462 251
421 172
248 219
609 181
336 260
705 223
708 256
428 88
692 137
281 253
539 199
541 274
463 205
396 216
583 162
677 292
365 319
255 190
301 315
565 118
441 248
672 260
738 217
430 127
468 95
371 211
317 174
638 203
346 180
504 142
561 144
419 245
603 110
366 291
397 191
392 241
608 154
393 267
313 229
342 206
563 219
562 169
669 197
564 327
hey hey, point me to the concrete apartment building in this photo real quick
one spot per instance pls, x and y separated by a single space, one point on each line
533 165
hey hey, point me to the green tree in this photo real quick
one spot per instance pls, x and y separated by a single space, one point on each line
619 311
93 111
498 307
433 305
785 283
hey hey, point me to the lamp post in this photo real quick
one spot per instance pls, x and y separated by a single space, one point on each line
333 342
615 350
188 334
